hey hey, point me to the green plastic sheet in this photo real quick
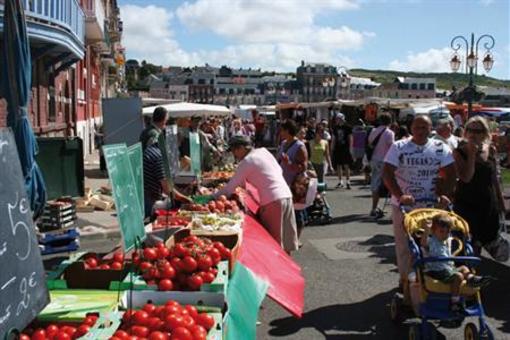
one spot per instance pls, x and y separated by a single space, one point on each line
245 293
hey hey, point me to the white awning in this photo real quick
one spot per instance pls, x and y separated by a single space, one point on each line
190 109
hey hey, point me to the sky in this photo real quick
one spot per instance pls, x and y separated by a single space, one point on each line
276 35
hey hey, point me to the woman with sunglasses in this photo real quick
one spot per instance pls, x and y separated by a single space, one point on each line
478 198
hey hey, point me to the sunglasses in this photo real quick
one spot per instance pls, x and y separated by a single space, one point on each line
474 130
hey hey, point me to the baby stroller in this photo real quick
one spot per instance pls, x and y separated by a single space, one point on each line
319 212
429 298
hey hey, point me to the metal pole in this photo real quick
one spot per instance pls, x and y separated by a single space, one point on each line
471 87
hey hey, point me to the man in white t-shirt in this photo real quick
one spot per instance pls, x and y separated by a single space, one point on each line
411 171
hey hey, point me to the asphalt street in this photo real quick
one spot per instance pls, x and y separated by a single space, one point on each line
351 277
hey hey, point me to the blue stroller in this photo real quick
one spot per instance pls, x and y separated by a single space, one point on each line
430 298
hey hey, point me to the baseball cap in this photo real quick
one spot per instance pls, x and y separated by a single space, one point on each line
340 115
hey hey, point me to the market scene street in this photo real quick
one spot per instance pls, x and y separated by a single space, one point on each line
253 169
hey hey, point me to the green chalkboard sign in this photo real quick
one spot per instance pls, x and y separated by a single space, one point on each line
127 204
195 153
136 160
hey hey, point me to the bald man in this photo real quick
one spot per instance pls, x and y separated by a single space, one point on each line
411 171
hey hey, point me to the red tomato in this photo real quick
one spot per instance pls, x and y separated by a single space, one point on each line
208 277
52 330
222 198
39 334
104 266
149 308
218 245
163 252
173 309
140 331
155 324
205 262
150 254
167 272
121 334
192 310
62 336
172 322
165 285
194 282
198 332
24 337
71 331
160 244
214 271
91 262
189 264
170 303
135 257
116 265
176 263
226 254
90 320
181 333
205 320
215 255
180 250
158 336
118 256
144 266
140 317
188 321
82 330
128 315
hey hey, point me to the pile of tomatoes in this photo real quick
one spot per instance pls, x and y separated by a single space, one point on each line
92 261
186 266
171 321
220 206
62 332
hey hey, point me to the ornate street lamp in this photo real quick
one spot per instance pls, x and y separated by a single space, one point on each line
472 60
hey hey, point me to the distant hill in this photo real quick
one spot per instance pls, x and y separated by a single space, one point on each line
444 81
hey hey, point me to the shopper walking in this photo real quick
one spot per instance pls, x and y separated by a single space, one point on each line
342 146
319 153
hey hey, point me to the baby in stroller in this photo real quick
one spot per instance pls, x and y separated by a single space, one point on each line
436 241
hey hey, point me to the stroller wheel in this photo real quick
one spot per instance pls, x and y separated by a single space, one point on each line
414 332
471 332
396 313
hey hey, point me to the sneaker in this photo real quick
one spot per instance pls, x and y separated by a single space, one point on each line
479 281
373 213
339 185
348 185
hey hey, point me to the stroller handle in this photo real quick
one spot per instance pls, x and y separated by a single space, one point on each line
431 201
462 259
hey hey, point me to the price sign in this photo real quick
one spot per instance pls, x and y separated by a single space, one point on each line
23 291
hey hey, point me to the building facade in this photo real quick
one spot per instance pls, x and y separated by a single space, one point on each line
407 88
68 40
317 82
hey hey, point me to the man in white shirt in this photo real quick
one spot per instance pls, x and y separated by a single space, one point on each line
411 171
262 171
444 131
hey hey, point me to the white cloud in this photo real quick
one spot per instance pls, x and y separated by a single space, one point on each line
433 60
273 35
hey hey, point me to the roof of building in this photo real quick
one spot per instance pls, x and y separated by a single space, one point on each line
415 80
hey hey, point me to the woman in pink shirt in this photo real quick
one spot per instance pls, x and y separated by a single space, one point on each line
262 171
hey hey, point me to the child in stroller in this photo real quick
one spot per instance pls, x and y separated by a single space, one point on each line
436 243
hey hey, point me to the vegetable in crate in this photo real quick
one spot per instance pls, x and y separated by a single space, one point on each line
60 331
186 266
169 322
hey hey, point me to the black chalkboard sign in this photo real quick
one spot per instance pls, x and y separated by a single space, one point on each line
23 292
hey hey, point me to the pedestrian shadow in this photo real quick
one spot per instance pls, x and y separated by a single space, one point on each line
497 292
367 319
362 218
94 173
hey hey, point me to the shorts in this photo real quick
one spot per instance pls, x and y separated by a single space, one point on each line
376 181
444 275
342 157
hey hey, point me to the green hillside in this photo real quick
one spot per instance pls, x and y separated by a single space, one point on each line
444 80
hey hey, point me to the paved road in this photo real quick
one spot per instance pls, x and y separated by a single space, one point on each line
350 276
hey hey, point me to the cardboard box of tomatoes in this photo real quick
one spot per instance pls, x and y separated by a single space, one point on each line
88 271
174 309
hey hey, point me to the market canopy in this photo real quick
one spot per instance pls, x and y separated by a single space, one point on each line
178 110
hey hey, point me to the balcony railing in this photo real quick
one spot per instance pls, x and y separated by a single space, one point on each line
63 13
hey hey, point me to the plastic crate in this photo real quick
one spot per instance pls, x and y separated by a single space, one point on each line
47 249
52 237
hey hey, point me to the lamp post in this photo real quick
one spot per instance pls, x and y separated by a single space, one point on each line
471 57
